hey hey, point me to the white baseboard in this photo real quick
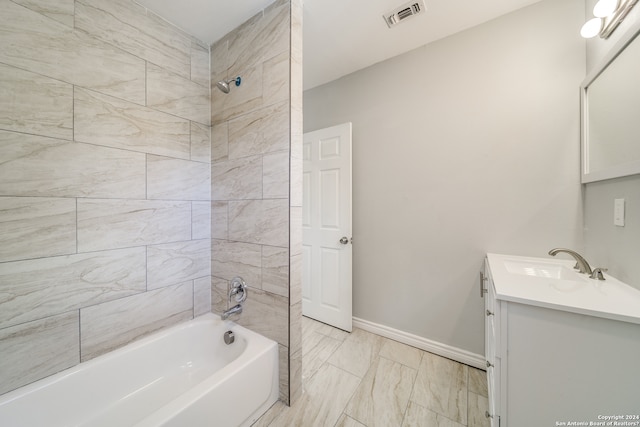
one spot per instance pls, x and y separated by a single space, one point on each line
444 350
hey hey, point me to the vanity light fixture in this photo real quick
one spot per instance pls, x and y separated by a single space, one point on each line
608 15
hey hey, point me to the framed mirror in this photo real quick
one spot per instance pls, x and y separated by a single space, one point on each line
611 113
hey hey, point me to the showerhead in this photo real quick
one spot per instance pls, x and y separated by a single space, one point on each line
225 85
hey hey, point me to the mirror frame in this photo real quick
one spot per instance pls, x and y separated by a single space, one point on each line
616 171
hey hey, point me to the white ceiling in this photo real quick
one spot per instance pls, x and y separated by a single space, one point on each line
340 36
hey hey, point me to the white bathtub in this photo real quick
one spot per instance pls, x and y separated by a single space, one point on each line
182 376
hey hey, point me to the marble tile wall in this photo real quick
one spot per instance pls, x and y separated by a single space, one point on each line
105 181
255 201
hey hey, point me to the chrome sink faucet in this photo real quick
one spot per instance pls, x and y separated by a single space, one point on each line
581 264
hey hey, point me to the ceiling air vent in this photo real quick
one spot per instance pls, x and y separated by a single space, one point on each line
403 12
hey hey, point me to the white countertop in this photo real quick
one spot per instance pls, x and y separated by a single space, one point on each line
522 280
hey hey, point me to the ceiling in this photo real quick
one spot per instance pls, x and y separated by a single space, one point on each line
340 36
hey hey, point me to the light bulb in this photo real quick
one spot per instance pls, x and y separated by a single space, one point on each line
591 28
605 8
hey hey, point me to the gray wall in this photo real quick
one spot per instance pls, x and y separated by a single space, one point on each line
607 245
465 146
104 181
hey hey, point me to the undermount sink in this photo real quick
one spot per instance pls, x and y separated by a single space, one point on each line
542 269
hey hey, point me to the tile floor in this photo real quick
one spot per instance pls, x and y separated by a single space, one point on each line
365 380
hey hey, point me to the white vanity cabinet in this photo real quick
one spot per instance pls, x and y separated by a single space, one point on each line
548 365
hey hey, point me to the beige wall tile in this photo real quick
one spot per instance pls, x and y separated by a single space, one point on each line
295 230
39 166
201 220
260 221
110 325
219 58
275 270
295 177
128 26
259 39
275 175
37 349
239 100
60 10
237 179
200 64
200 142
178 262
219 220
104 120
110 224
36 227
219 295
267 314
275 75
35 104
259 132
295 279
230 259
177 95
176 179
219 142
201 296
49 286
33 42
283 372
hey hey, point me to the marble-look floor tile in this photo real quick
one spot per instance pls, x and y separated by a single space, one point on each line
176 95
383 395
309 325
130 27
31 351
316 407
108 121
358 352
176 179
441 386
272 413
34 227
418 416
347 421
113 324
316 349
478 406
402 353
110 224
478 382
48 286
40 166
178 262
35 104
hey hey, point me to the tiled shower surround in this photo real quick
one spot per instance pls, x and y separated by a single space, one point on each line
105 182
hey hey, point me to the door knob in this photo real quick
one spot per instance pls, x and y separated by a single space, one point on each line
344 240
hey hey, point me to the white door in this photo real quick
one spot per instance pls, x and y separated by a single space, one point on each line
326 226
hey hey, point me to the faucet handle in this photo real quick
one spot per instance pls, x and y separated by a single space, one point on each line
597 273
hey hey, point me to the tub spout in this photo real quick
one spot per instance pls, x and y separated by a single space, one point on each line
236 309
